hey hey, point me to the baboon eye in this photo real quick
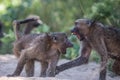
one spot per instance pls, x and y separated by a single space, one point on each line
88 22
54 38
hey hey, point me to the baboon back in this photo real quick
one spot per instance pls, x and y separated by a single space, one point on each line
23 43
112 39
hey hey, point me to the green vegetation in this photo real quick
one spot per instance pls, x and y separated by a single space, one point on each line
57 15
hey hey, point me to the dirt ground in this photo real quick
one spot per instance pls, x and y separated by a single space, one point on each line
85 72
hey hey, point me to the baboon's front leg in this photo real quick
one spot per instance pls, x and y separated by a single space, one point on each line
85 53
29 67
103 67
51 67
44 66
20 65
104 58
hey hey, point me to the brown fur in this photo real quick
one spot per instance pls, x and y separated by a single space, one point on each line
104 40
116 67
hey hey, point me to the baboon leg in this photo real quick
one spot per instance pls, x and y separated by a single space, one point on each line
20 65
116 67
76 62
104 58
103 68
44 66
85 53
29 67
51 68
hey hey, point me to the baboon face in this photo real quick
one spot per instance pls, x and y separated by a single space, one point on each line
81 28
61 42
37 22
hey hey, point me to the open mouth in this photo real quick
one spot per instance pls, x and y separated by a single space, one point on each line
78 36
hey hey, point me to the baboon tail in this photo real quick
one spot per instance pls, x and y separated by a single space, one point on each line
16 26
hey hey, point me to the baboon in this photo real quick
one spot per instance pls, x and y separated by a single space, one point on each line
94 35
45 48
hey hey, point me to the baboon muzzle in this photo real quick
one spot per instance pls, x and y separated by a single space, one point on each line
69 44
75 31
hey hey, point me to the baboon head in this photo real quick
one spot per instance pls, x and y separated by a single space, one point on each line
81 28
36 21
60 41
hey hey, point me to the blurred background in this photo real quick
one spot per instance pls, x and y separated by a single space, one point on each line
58 16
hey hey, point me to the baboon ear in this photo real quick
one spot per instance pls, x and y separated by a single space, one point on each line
89 22
47 36
54 38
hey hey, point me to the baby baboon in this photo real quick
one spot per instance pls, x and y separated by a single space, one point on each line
94 35
45 48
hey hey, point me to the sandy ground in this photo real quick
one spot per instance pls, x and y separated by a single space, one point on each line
85 72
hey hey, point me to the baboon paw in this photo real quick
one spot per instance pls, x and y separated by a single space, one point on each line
10 75
42 75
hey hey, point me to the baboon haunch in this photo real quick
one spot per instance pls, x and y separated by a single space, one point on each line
94 35
45 48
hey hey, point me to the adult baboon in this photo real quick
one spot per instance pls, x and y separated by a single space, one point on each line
45 48
94 35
